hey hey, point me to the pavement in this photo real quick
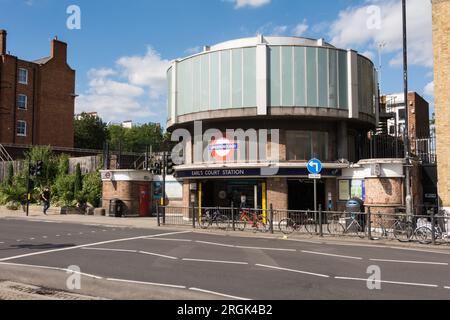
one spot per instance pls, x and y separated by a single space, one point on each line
133 259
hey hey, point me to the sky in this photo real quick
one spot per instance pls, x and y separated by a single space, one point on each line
121 49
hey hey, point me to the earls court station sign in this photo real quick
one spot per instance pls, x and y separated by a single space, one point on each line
254 172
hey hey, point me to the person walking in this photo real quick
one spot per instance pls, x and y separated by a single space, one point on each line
45 197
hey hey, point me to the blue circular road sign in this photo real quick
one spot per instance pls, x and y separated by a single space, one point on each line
314 166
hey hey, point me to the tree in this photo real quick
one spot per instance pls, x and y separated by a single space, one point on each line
10 177
78 185
90 132
137 138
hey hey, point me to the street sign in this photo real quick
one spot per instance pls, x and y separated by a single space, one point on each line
314 166
315 176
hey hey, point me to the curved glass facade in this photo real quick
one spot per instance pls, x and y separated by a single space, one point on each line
295 76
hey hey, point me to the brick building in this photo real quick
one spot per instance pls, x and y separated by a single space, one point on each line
419 115
441 40
37 98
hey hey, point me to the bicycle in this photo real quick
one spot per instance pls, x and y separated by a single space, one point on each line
257 221
336 227
402 229
424 234
209 218
301 221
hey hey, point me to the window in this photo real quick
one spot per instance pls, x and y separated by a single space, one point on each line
22 102
21 128
305 145
401 114
23 76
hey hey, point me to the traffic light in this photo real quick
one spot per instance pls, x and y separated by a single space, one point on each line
156 170
32 170
170 165
39 168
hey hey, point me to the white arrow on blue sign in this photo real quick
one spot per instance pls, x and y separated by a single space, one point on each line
314 166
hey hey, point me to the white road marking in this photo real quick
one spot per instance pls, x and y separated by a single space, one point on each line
216 244
69 234
158 255
420 250
106 249
58 235
50 268
332 255
219 294
391 282
412 262
291 270
90 245
448 288
32 239
45 237
243 247
216 261
147 283
175 240
266 249
19 240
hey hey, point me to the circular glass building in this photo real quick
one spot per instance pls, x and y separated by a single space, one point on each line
257 109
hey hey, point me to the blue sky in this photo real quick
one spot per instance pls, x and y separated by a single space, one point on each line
123 47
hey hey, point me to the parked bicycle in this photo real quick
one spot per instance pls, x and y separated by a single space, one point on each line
214 217
398 226
253 218
298 222
350 225
424 233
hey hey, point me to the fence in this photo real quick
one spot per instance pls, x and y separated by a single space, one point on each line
371 225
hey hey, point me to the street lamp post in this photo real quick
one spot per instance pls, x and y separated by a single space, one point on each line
406 130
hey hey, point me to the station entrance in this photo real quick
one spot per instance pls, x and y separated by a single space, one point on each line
224 193
301 194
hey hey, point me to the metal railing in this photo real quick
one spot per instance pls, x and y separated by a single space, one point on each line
430 228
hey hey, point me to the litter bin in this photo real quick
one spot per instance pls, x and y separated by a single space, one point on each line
355 208
115 208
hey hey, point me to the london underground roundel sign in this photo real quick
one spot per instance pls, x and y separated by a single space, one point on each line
223 149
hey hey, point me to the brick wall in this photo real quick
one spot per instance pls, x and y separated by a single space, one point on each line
277 193
441 43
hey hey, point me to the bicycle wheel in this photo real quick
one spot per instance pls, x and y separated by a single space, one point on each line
241 224
335 228
403 231
359 231
223 222
424 235
263 226
205 222
309 225
286 226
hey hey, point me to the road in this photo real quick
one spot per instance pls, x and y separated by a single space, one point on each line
129 263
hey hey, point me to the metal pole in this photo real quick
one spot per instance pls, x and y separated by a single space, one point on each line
193 214
232 217
320 221
163 197
271 218
28 188
433 229
158 215
315 203
406 130
369 217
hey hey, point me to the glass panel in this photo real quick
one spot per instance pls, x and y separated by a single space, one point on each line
343 85
215 90
225 79
197 83
249 85
287 76
304 145
237 78
323 77
299 76
332 83
275 77
205 83
311 67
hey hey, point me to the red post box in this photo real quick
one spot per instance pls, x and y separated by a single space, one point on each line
144 200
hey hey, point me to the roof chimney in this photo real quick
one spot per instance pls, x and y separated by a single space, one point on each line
58 50
3 34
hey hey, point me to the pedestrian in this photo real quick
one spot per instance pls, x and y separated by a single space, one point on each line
45 197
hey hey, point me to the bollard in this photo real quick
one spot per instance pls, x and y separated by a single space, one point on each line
193 214
433 229
271 219
233 222
320 221
369 217
157 215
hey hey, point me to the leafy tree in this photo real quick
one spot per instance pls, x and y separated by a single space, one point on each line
10 176
137 138
92 188
90 132
78 184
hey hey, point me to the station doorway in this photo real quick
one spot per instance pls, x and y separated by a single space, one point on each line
301 194
224 193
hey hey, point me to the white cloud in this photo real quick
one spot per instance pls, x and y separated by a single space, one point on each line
249 3
300 29
359 27
193 50
429 89
136 88
369 54
270 29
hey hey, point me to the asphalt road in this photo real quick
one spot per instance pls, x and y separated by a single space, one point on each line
126 263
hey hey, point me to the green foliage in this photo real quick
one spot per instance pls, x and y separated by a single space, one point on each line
10 176
137 138
90 132
92 188
50 167
78 183
63 189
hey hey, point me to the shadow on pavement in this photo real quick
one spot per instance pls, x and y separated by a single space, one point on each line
46 246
